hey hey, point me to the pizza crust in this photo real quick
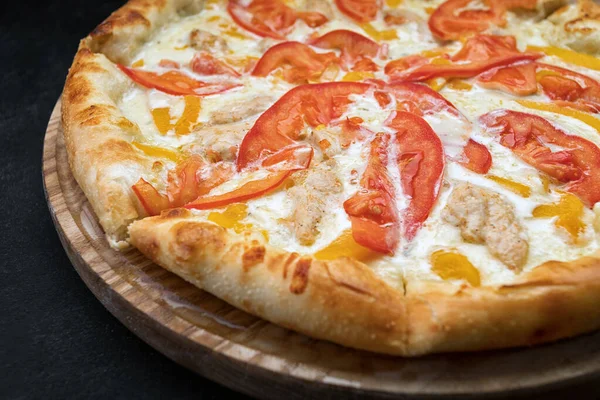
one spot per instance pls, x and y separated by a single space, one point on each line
345 302
97 135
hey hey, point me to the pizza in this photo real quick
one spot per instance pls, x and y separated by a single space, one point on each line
400 176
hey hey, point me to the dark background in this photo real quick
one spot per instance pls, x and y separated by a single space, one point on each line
56 339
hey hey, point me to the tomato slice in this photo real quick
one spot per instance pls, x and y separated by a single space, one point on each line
569 86
577 164
152 201
420 99
282 123
359 10
477 157
281 164
246 192
352 131
372 210
270 18
191 178
299 61
519 79
479 54
205 64
175 82
454 19
421 160
353 46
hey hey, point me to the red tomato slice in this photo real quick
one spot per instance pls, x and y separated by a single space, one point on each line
454 19
570 86
359 10
166 63
372 210
526 135
400 65
282 164
299 60
205 64
270 18
352 131
479 54
250 190
152 201
175 82
421 160
519 79
190 179
281 124
352 45
477 157
420 99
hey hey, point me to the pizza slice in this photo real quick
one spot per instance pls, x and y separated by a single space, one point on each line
401 177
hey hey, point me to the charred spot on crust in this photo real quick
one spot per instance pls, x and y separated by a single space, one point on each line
291 258
174 213
191 237
94 115
253 256
300 277
121 18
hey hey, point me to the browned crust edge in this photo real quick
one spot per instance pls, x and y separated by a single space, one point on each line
97 134
345 302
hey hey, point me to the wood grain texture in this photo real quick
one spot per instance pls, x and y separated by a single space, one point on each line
253 356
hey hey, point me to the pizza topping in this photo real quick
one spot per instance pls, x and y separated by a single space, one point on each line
570 86
568 212
520 79
479 54
420 158
420 99
563 109
231 217
345 246
359 10
455 19
484 217
451 265
175 82
310 196
240 110
529 137
282 123
270 18
353 47
477 157
158 152
388 34
190 179
569 56
299 62
185 123
516 187
203 41
205 64
372 210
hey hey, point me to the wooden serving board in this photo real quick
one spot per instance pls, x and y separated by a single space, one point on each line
256 357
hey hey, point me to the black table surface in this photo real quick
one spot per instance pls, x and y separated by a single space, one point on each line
56 339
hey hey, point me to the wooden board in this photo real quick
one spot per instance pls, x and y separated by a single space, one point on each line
253 356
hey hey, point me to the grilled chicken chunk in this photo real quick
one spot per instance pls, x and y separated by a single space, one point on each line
202 40
484 217
313 188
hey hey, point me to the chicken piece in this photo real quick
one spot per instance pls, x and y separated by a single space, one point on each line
547 7
202 40
578 26
313 188
484 217
219 143
326 139
319 6
239 110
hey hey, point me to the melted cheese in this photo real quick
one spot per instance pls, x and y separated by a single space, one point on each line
272 212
